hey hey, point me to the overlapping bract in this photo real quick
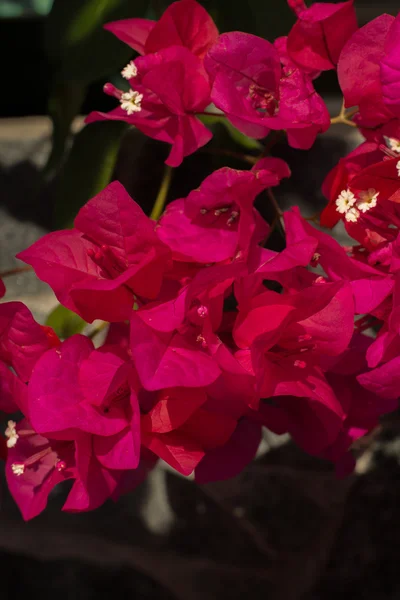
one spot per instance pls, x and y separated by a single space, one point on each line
213 335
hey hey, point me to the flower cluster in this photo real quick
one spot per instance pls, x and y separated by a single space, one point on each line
213 335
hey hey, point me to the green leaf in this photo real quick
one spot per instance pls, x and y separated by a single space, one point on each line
212 122
88 169
65 322
239 137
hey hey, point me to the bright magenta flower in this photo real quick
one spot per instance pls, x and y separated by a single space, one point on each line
75 388
22 340
168 88
318 36
257 94
35 466
221 213
390 69
184 23
111 258
368 73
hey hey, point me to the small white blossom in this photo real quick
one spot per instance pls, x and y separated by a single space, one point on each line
368 200
11 434
344 201
394 144
352 215
131 102
129 71
18 469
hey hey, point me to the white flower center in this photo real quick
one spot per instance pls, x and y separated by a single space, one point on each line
129 71
368 200
18 469
394 144
131 102
11 434
345 201
352 215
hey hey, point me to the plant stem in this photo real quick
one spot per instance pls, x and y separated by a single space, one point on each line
204 113
345 118
162 194
15 271
278 212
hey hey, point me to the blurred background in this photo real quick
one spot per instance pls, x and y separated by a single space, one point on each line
286 529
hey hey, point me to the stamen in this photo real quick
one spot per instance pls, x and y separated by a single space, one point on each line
131 102
300 364
18 469
11 434
129 71
232 218
352 215
202 311
61 465
393 143
220 211
368 200
201 339
345 201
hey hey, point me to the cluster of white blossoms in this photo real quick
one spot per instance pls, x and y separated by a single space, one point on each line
347 204
131 101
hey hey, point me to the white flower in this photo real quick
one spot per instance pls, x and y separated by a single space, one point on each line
18 469
352 215
129 71
131 102
11 434
368 200
394 144
398 168
344 201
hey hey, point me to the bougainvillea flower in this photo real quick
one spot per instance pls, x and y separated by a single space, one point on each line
370 286
362 408
383 177
318 36
22 340
339 179
245 73
2 289
390 69
168 359
359 71
384 380
257 94
35 466
301 112
167 90
285 351
75 387
184 23
221 212
181 429
112 256
229 460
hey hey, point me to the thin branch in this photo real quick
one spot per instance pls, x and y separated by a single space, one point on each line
162 194
16 271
